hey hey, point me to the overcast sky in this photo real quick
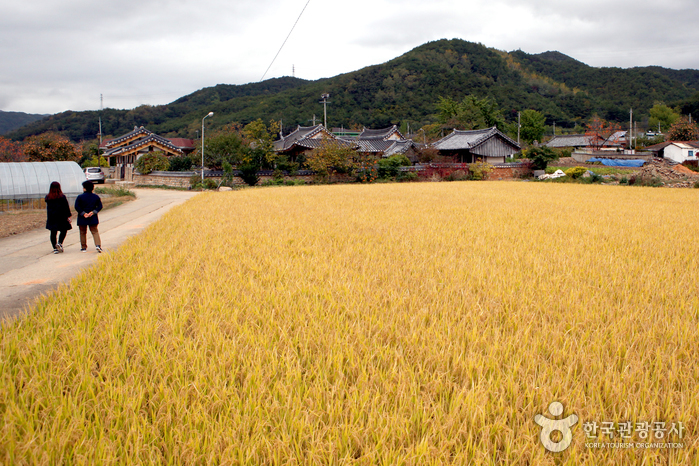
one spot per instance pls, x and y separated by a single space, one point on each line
58 55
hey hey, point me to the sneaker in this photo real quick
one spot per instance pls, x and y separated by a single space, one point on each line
98 248
55 251
59 246
83 250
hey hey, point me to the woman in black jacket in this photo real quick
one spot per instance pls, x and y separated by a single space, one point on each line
57 216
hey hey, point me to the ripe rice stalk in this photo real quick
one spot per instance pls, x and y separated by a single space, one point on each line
367 324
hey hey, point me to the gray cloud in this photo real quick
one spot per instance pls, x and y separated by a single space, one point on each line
62 55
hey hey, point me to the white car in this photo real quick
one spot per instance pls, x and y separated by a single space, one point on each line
94 174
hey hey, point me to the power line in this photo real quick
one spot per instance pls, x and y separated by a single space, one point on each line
284 43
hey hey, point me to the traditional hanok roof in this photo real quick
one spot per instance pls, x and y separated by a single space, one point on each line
137 133
399 147
183 144
382 134
379 141
308 137
471 140
569 140
153 140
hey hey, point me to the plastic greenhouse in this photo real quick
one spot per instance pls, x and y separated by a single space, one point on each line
24 185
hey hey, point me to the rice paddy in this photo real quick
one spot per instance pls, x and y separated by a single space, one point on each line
390 324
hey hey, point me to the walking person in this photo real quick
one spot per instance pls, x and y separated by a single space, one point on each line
87 205
57 216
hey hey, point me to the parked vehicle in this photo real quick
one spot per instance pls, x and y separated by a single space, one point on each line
94 174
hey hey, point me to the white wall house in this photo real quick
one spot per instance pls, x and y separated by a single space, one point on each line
681 151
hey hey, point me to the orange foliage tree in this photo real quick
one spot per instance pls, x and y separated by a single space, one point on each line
11 151
599 131
50 147
683 130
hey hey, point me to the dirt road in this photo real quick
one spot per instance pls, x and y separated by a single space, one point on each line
29 268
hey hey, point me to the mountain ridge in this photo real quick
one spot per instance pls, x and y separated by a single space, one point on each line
405 90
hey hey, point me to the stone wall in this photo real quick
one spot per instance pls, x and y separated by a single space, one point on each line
505 171
182 179
510 173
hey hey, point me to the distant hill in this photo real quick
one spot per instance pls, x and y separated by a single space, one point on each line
405 91
10 121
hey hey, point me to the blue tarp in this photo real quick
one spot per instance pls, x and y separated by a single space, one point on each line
618 162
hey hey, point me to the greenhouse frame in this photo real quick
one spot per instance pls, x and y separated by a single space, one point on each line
23 185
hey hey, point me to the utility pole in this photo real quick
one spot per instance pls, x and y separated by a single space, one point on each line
99 156
314 119
630 135
325 102
519 124
554 129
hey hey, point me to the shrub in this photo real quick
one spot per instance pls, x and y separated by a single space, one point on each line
180 164
114 191
624 180
210 184
388 167
576 172
407 176
480 170
248 173
195 181
152 161
457 175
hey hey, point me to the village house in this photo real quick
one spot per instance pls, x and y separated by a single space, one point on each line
488 145
581 141
677 151
305 139
128 148
383 142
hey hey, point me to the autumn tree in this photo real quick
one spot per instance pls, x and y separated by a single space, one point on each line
331 157
533 126
11 151
50 147
599 131
683 130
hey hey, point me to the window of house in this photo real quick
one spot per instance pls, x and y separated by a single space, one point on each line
690 153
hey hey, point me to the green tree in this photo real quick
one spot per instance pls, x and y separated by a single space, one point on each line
533 125
540 156
683 130
47 147
663 116
260 138
470 113
225 145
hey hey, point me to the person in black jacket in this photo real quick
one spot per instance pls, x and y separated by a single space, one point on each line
57 216
87 205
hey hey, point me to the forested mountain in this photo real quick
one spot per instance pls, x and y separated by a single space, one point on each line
406 90
10 121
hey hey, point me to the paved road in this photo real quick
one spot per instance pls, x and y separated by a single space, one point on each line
29 268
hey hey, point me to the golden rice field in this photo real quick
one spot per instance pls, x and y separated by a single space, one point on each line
390 324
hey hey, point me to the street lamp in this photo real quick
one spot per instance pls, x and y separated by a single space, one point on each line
202 144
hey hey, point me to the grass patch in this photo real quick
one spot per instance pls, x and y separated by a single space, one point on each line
599 170
115 191
161 186
367 324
